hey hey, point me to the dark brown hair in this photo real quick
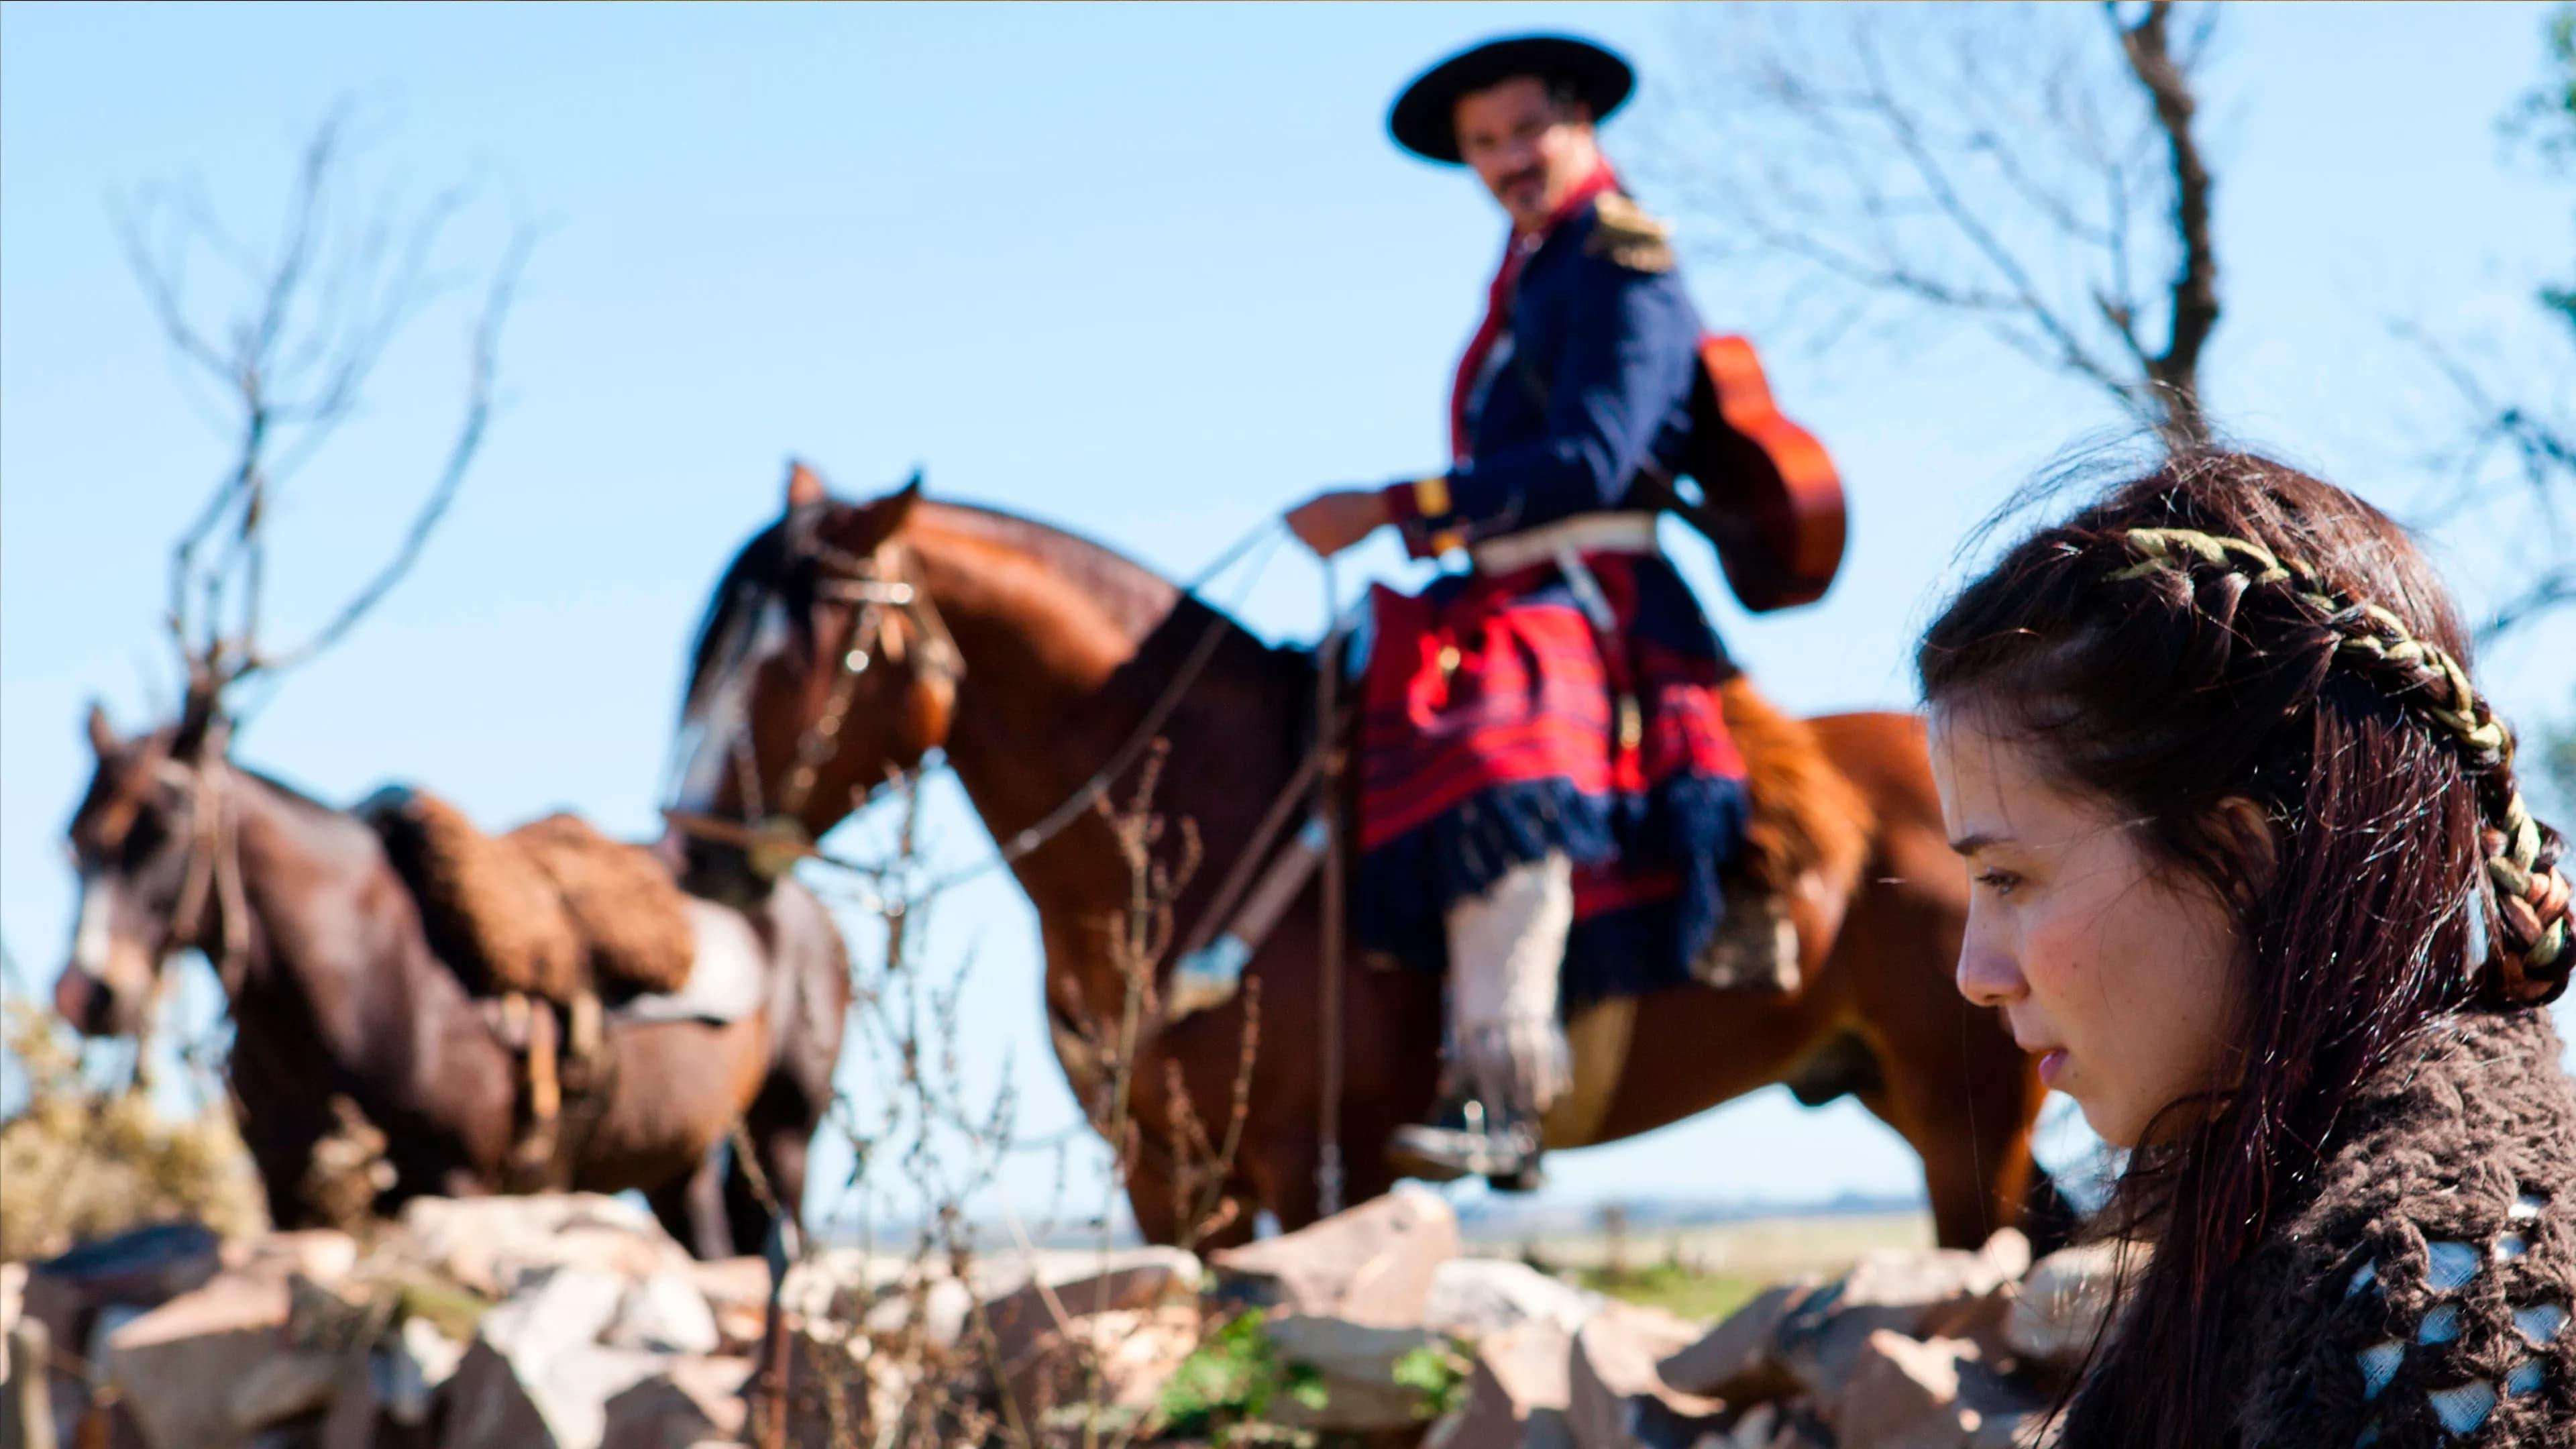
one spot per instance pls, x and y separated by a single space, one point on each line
2227 629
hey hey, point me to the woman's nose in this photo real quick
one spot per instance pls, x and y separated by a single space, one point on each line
1988 976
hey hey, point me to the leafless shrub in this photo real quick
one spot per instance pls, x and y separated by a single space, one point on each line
903 1378
290 357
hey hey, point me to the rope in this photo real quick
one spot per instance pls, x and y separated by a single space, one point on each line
2521 858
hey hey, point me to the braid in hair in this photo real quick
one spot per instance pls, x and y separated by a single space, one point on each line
2532 947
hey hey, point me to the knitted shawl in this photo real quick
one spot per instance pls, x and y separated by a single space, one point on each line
2422 1297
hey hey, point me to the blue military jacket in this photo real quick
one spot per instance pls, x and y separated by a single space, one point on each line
1591 378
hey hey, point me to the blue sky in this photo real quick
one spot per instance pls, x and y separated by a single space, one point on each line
1154 273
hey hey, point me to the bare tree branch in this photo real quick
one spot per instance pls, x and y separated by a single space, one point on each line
2001 166
2194 308
2515 460
460 457
318 314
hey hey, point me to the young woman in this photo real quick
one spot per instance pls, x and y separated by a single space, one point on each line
2253 879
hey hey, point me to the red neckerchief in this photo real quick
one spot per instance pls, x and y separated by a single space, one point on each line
1498 299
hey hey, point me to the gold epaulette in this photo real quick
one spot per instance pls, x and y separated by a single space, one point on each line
1629 236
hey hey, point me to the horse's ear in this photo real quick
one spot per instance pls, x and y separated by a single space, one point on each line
804 485
102 735
895 507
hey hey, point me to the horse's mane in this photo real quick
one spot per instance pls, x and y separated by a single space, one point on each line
1133 597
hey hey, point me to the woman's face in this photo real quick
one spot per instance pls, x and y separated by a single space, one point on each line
2123 979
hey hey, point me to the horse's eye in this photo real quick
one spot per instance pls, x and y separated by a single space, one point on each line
143 839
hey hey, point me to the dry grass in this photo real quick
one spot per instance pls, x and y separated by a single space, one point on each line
78 1162
1706 1273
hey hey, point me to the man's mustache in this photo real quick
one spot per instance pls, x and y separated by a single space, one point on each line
1533 176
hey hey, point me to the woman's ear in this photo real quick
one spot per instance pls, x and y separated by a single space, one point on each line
2244 829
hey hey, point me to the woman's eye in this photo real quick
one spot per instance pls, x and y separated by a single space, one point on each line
2001 882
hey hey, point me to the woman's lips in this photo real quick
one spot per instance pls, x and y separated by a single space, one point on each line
2051 1062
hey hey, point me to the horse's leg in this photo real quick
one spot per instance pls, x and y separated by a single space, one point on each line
779 1125
691 1209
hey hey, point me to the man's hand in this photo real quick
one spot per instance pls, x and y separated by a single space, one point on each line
1331 522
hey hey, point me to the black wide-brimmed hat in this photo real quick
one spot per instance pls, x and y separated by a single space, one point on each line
1423 120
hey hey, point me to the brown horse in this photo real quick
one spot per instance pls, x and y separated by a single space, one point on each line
335 991
847 641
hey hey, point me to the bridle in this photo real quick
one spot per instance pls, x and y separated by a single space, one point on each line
891 616
882 589
213 880
883 586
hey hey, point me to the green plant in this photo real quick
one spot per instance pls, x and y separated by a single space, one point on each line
1438 1372
1232 1380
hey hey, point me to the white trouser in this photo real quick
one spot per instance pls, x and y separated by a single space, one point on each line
1505 950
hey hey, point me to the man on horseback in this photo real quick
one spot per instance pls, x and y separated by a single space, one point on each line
1548 789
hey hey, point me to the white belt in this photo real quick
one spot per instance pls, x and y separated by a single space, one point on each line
1583 533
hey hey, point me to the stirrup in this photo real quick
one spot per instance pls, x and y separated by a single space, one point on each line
1505 1152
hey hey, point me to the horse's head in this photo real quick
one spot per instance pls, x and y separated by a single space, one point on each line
144 857
822 671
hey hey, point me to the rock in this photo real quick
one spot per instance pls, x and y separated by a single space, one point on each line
1516 1393
1371 1266
2008 1251
664 1313
1355 1365
737 1293
1901 1290
1476 1298
1903 1393
177 1365
27 1394
1091 1284
418 1361
689 1402
328 1316
1754 1429
933 1313
491 1244
13 1301
558 1401
325 1255
1738 1360
840 1285
1615 1399
1136 1351
536 1372
284 1386
356 1418
565 1307
2059 1309
145 1267
837 1382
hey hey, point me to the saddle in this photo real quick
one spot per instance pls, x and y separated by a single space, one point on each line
1805 843
552 909
541 924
